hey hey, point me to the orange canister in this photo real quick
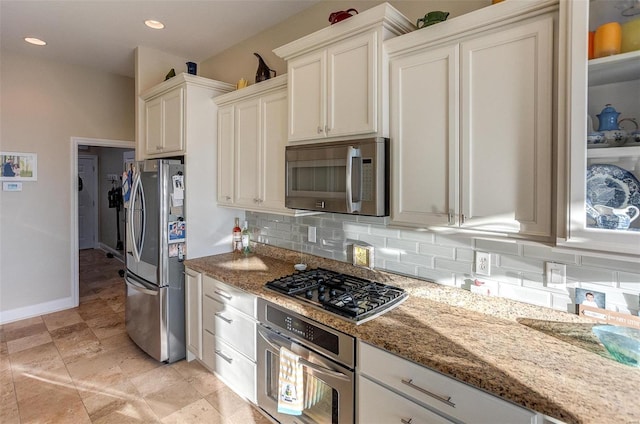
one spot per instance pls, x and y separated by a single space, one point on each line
592 36
607 40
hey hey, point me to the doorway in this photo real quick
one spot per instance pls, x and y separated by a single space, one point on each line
74 183
87 197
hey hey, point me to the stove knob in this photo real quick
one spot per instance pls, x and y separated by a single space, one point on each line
309 294
320 280
321 289
333 292
321 297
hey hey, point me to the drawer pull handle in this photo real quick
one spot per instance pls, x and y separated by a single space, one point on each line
223 356
223 318
222 294
403 421
443 399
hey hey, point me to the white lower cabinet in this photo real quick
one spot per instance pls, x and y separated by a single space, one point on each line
413 383
378 405
193 313
229 335
221 331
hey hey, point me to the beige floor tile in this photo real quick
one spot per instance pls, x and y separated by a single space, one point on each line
93 308
157 379
28 342
23 328
41 357
136 412
61 319
36 383
9 414
171 398
248 416
226 402
107 325
117 342
199 411
107 399
75 341
5 364
55 406
133 361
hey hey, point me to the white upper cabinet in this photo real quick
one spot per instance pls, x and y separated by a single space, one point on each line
337 77
589 86
175 117
252 125
471 122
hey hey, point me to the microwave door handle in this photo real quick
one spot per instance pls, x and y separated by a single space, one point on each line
352 206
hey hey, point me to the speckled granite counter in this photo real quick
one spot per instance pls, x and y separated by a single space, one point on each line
504 347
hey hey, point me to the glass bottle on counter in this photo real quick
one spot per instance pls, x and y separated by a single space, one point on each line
237 237
246 237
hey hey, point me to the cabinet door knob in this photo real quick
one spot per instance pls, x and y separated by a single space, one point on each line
403 421
158 147
326 128
319 130
228 197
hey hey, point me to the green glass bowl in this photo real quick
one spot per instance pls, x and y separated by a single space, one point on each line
623 343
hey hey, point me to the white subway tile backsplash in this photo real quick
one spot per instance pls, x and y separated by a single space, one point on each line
421 236
494 246
464 255
424 261
453 240
632 266
442 264
408 246
584 274
527 295
629 281
520 263
546 253
432 249
517 267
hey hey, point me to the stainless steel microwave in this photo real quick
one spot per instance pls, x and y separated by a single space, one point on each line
349 177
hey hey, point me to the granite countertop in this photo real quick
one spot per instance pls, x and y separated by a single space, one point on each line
542 359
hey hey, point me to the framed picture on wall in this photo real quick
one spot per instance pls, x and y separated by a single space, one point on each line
18 166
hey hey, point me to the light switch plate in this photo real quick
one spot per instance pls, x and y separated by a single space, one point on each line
556 275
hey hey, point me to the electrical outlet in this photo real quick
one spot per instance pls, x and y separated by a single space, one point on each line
556 275
483 263
311 234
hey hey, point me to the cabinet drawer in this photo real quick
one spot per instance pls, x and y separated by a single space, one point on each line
235 370
447 395
377 405
239 299
232 326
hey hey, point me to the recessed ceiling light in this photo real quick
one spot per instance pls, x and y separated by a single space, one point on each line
154 24
35 41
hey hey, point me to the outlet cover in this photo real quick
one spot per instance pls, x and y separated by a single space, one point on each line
556 275
311 234
483 263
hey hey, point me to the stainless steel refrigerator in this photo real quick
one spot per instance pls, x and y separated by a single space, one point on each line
155 247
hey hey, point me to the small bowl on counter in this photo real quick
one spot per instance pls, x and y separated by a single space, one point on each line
623 343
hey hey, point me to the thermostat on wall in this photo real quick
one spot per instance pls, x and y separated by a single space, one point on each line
11 186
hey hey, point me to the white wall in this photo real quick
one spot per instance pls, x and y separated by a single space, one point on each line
239 62
44 104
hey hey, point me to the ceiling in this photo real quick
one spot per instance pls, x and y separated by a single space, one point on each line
104 33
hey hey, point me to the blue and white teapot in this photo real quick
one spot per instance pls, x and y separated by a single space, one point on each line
609 128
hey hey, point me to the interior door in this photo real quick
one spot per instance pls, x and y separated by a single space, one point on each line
87 199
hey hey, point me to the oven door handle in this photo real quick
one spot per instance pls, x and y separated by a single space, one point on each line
305 363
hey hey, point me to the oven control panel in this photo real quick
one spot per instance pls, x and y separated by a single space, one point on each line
303 329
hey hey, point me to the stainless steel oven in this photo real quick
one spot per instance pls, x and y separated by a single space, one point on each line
343 177
327 357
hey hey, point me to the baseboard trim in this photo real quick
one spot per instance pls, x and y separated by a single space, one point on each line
36 310
116 254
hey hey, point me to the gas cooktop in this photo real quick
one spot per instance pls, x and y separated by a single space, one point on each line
353 298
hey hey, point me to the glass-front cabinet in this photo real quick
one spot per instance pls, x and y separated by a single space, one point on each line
603 104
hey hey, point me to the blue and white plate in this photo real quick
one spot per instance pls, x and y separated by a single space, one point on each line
612 186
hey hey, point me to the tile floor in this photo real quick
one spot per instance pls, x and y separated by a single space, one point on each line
79 366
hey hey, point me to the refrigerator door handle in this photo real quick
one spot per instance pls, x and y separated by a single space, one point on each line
137 185
139 287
